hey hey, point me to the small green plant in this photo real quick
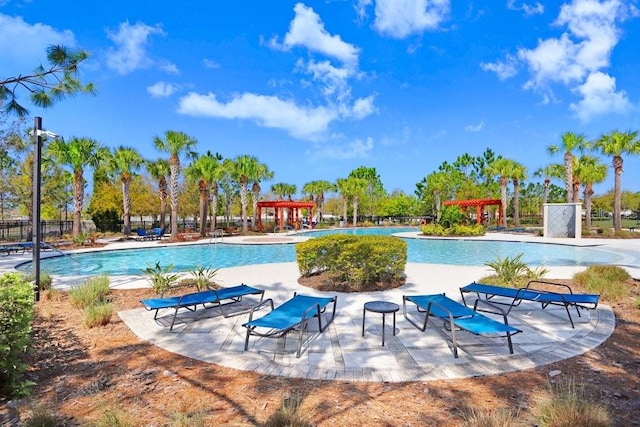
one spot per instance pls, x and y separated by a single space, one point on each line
508 269
81 239
288 415
45 280
203 276
499 418
98 314
160 277
451 216
636 303
189 419
569 406
92 291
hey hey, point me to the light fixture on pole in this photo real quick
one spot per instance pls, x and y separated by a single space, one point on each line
37 135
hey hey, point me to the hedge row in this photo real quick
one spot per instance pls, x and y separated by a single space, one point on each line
356 260
454 230
16 315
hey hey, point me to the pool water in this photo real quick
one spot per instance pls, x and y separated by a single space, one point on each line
432 251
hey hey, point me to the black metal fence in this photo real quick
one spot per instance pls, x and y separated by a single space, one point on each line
18 230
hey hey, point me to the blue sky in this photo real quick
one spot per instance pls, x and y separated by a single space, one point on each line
317 89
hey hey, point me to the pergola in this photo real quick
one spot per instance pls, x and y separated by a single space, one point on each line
279 206
479 204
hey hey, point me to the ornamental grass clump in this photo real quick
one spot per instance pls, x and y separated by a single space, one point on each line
568 405
92 296
512 272
607 280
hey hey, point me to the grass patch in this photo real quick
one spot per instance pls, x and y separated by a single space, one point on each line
98 314
288 415
512 272
607 280
569 406
114 417
92 291
41 416
499 418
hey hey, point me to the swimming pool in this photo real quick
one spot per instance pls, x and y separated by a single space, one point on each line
432 251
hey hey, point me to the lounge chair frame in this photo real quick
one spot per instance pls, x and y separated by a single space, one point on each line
212 298
301 309
456 316
514 296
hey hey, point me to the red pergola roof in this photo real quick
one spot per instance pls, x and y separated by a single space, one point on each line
479 204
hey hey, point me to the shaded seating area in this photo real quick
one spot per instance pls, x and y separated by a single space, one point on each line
154 234
10 248
294 314
213 298
456 316
535 291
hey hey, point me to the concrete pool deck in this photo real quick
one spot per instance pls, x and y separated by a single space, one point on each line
342 353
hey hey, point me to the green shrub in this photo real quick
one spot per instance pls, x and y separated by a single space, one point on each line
433 229
94 290
607 280
453 231
160 277
16 314
203 276
451 216
114 417
41 416
45 281
355 260
569 406
98 314
512 272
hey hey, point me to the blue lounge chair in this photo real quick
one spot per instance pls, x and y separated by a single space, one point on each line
456 315
141 234
208 299
157 233
512 297
294 313
9 248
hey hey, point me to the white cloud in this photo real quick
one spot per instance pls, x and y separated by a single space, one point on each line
208 63
333 79
576 58
307 30
361 8
536 9
129 53
162 89
400 18
504 69
267 111
599 96
362 108
356 149
475 128
169 67
23 45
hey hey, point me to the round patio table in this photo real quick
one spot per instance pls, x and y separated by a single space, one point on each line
384 308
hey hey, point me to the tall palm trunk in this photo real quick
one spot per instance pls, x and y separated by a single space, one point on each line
78 196
174 165
214 206
203 190
345 201
436 196
576 190
162 190
516 203
503 194
126 205
320 207
243 203
617 195
255 191
588 192
356 199
545 195
568 178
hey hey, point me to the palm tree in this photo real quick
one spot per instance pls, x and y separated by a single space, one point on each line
616 144
357 188
318 189
342 185
589 171
570 141
242 169
159 169
554 170
204 171
125 161
175 143
438 182
504 169
78 153
518 173
262 173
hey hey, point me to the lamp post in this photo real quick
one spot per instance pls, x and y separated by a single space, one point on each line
37 179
